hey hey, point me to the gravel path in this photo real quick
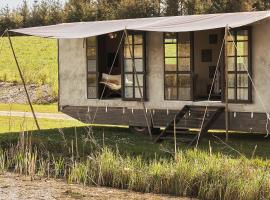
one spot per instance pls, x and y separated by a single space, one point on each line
13 187
38 115
14 93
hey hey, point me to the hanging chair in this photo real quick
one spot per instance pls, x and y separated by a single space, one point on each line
113 82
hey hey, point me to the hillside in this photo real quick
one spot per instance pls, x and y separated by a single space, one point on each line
37 58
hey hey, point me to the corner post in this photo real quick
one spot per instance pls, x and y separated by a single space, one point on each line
226 82
23 81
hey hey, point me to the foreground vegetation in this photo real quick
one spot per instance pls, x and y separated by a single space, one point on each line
37 58
117 158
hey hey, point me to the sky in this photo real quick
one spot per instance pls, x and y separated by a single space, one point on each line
15 3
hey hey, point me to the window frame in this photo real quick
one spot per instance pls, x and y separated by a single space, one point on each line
236 72
179 72
92 72
143 72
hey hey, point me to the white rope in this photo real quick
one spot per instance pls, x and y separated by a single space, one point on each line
255 88
209 95
111 68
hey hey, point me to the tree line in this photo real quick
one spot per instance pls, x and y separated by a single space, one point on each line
48 12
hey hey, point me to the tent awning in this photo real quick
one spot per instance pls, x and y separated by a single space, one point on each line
160 24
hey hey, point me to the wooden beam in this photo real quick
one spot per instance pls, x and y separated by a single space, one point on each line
23 81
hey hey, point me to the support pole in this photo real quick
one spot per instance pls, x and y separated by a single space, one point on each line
24 85
226 83
137 80
174 137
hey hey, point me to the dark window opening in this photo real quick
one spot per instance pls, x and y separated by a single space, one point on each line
213 39
207 55
110 84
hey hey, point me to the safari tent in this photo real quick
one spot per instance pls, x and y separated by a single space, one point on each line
200 71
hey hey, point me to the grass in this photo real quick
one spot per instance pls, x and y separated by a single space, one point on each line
17 124
117 158
37 58
42 108
133 144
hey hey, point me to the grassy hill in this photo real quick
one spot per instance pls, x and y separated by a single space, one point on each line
37 58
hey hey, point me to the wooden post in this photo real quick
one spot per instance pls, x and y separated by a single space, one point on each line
174 136
138 83
24 85
226 82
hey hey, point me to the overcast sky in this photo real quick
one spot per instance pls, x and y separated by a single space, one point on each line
16 3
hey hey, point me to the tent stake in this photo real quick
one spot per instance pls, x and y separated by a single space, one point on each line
226 84
137 80
21 76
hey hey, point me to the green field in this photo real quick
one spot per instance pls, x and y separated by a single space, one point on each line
37 58
45 108
18 124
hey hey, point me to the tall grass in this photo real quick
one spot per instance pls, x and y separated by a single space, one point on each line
192 173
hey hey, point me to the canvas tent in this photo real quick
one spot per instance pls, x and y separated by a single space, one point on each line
161 24
156 28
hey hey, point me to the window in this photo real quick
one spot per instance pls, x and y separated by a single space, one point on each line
207 55
131 86
91 53
213 39
238 59
177 68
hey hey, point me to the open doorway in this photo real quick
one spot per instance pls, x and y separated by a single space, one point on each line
110 65
207 47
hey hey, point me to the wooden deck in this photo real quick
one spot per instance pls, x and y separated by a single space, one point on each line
240 121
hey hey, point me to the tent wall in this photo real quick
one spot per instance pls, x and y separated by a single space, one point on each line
72 74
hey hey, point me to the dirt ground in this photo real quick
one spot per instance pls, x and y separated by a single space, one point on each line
13 187
14 93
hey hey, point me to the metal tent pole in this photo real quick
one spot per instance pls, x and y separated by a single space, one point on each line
137 80
226 83
23 81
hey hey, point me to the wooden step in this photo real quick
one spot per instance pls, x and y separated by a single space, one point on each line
193 117
202 108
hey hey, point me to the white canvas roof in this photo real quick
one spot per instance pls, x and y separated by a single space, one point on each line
161 24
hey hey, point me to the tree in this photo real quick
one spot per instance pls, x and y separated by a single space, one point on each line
171 7
39 14
137 8
73 11
55 12
6 21
261 5
89 9
25 14
107 9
